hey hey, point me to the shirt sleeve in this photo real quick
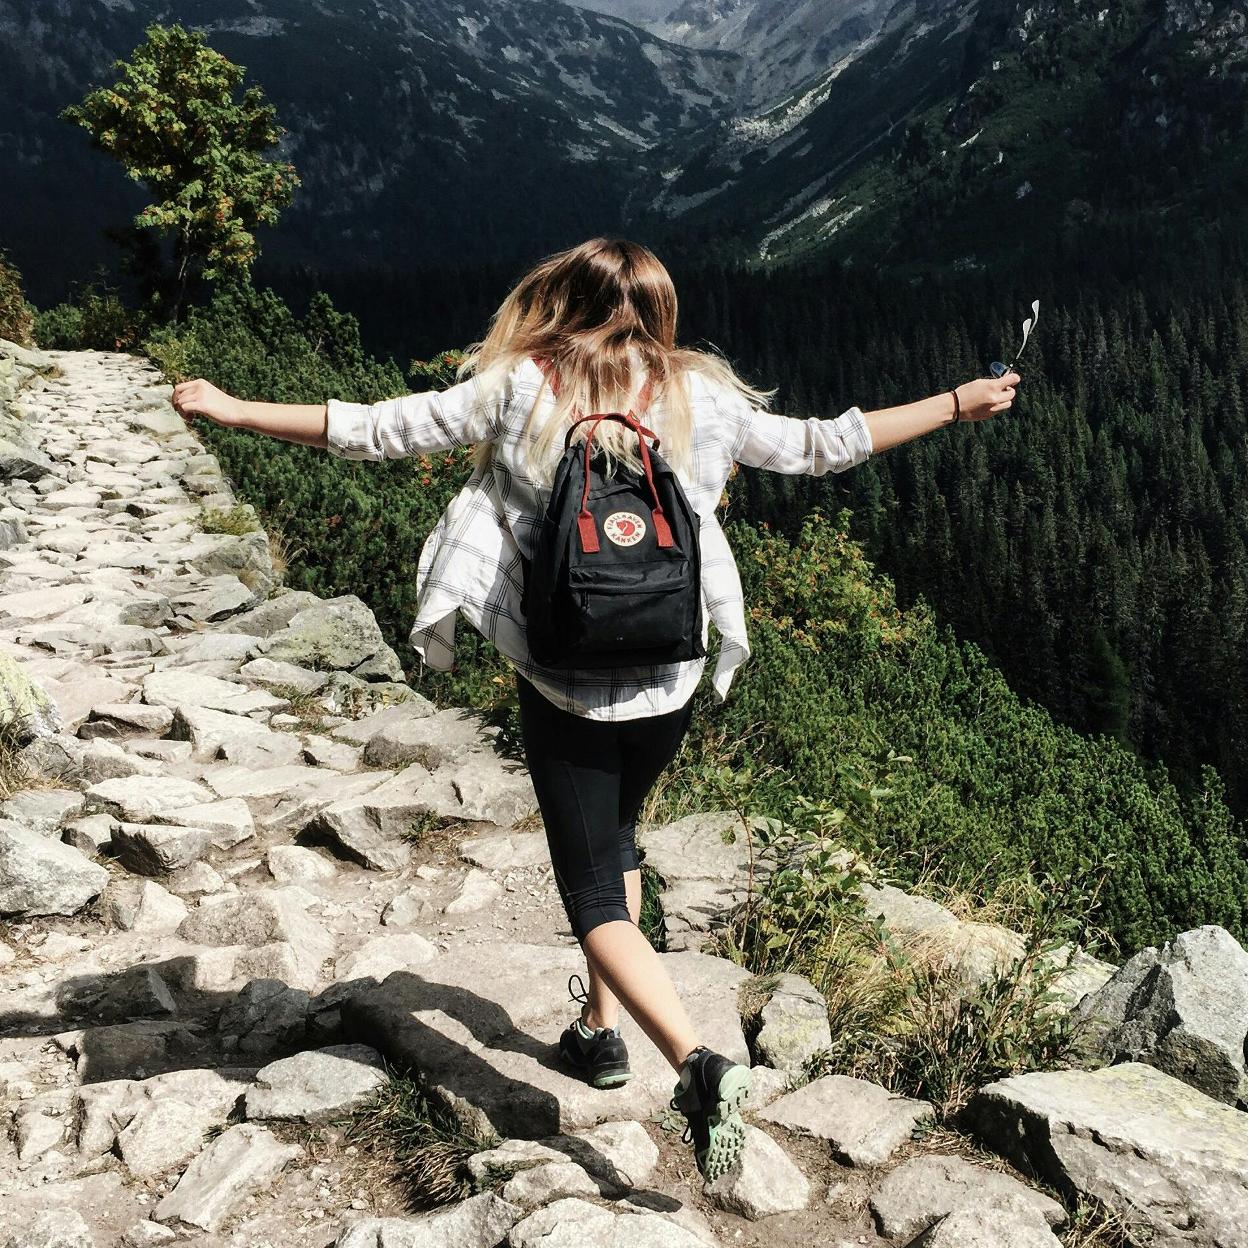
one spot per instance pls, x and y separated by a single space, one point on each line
791 445
434 420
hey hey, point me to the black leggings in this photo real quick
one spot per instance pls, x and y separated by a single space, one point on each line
591 777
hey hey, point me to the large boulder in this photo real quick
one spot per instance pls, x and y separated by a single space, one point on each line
26 709
704 863
337 634
39 875
1182 1008
793 1024
1167 1159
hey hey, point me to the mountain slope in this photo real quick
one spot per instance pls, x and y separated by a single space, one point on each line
919 148
421 128
785 42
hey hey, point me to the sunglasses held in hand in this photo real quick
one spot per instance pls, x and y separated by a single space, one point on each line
997 368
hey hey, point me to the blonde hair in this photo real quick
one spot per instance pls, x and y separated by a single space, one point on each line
593 313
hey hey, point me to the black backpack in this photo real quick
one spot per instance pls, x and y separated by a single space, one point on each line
615 578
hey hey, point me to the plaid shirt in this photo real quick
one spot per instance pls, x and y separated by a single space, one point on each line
471 561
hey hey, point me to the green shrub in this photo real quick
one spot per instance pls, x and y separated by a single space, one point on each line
16 319
95 319
237 521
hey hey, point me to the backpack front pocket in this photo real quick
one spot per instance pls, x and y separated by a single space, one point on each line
629 606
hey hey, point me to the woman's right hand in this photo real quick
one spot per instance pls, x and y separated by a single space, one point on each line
986 396
202 398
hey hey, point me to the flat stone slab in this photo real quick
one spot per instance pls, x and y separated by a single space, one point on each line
924 1190
316 1086
174 688
574 1223
864 1123
505 850
239 1161
231 780
143 799
1005 1226
620 1155
481 1023
479 1222
1164 1156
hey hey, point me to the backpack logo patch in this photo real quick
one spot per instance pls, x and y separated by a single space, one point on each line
624 528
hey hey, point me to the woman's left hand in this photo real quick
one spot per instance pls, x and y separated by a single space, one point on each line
984 397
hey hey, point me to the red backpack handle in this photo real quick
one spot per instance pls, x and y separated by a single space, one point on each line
585 520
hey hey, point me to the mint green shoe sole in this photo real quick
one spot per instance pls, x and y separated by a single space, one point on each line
614 1079
727 1131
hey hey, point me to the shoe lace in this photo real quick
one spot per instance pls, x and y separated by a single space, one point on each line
581 995
686 1136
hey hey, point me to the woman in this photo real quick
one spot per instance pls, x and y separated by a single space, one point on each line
593 329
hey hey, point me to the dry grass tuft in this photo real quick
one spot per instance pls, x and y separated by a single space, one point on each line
1093 1225
283 552
409 1137
15 776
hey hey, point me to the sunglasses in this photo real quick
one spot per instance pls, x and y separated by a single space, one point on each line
997 368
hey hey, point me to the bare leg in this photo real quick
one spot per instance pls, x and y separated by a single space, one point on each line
635 974
602 1009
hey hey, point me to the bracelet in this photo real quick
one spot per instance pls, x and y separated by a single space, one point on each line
957 408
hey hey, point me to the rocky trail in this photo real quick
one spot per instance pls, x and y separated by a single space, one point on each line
248 878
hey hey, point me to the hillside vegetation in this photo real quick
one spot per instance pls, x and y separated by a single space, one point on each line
846 692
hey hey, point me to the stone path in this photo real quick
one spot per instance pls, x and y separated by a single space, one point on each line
256 871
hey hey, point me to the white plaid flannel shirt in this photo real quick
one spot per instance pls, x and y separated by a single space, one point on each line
470 562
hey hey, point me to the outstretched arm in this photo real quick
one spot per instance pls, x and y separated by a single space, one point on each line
292 422
815 445
979 400
415 424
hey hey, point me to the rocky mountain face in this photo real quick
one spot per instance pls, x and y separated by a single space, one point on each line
423 129
249 877
784 43
787 43
910 148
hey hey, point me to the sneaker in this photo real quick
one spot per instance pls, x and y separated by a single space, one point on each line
710 1092
598 1054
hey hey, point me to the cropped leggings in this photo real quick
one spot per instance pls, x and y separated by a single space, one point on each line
591 777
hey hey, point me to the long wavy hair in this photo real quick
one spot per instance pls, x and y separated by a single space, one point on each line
599 315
